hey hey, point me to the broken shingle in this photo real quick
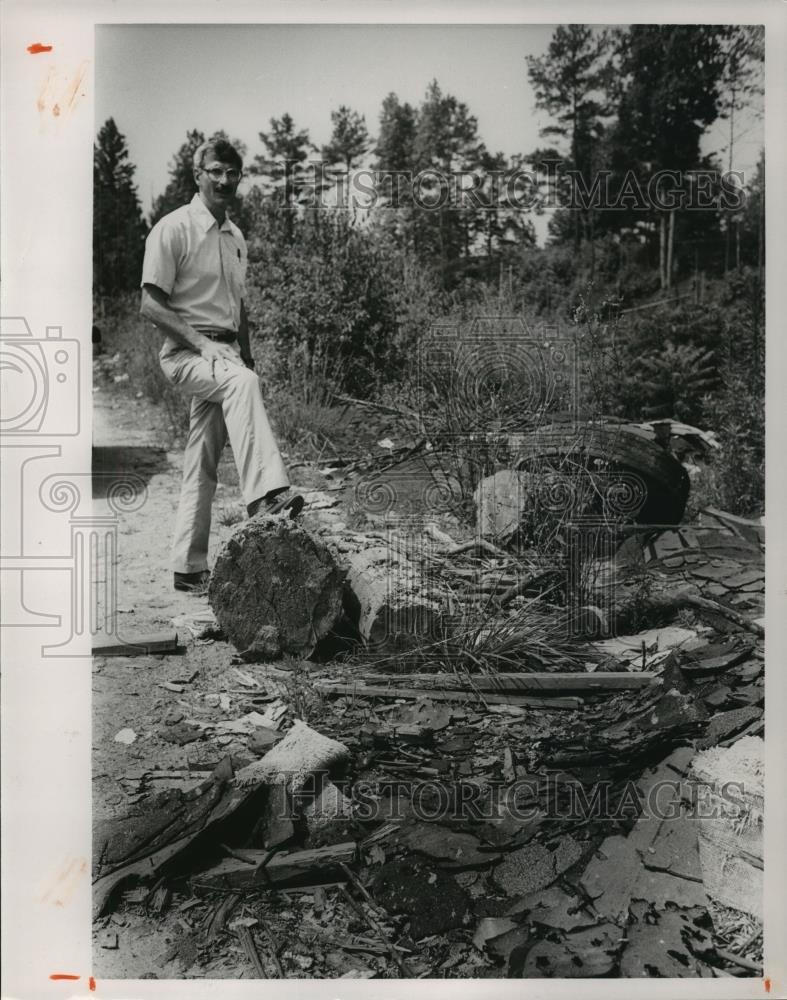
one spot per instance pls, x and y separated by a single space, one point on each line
665 944
584 954
675 849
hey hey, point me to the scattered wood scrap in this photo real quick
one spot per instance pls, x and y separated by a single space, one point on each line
381 691
165 641
247 941
586 683
257 871
687 600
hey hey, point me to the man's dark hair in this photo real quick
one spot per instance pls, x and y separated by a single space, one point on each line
224 152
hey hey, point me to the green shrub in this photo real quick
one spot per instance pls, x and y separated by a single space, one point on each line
334 299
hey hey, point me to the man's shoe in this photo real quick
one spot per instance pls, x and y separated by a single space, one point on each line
192 582
292 503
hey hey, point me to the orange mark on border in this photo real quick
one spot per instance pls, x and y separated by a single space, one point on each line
91 983
37 48
767 984
63 975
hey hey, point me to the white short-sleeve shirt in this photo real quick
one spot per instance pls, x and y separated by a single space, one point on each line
200 265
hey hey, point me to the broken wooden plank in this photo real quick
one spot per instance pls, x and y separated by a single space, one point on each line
703 604
386 733
619 680
165 641
317 865
247 941
752 531
741 960
143 868
380 691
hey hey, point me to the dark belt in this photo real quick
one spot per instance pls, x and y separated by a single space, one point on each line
223 336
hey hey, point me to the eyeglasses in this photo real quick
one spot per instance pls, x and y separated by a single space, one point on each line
216 174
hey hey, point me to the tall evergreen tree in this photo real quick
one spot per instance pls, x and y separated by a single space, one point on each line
672 74
349 139
283 170
447 152
118 227
396 140
393 165
572 83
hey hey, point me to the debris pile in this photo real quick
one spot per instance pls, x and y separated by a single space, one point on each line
505 796
411 836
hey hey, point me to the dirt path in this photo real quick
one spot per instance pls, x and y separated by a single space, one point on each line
130 439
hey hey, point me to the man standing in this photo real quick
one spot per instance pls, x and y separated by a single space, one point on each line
192 290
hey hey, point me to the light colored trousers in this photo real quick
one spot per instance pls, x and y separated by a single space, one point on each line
227 402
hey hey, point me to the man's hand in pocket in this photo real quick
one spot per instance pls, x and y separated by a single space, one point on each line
217 353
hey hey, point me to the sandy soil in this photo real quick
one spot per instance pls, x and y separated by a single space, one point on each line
131 437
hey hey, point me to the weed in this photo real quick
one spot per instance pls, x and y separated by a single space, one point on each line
230 514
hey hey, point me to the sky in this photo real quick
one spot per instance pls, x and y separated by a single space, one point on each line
158 82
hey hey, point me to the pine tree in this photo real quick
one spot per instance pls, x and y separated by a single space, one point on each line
447 152
393 168
349 139
671 96
283 170
395 144
118 227
572 83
